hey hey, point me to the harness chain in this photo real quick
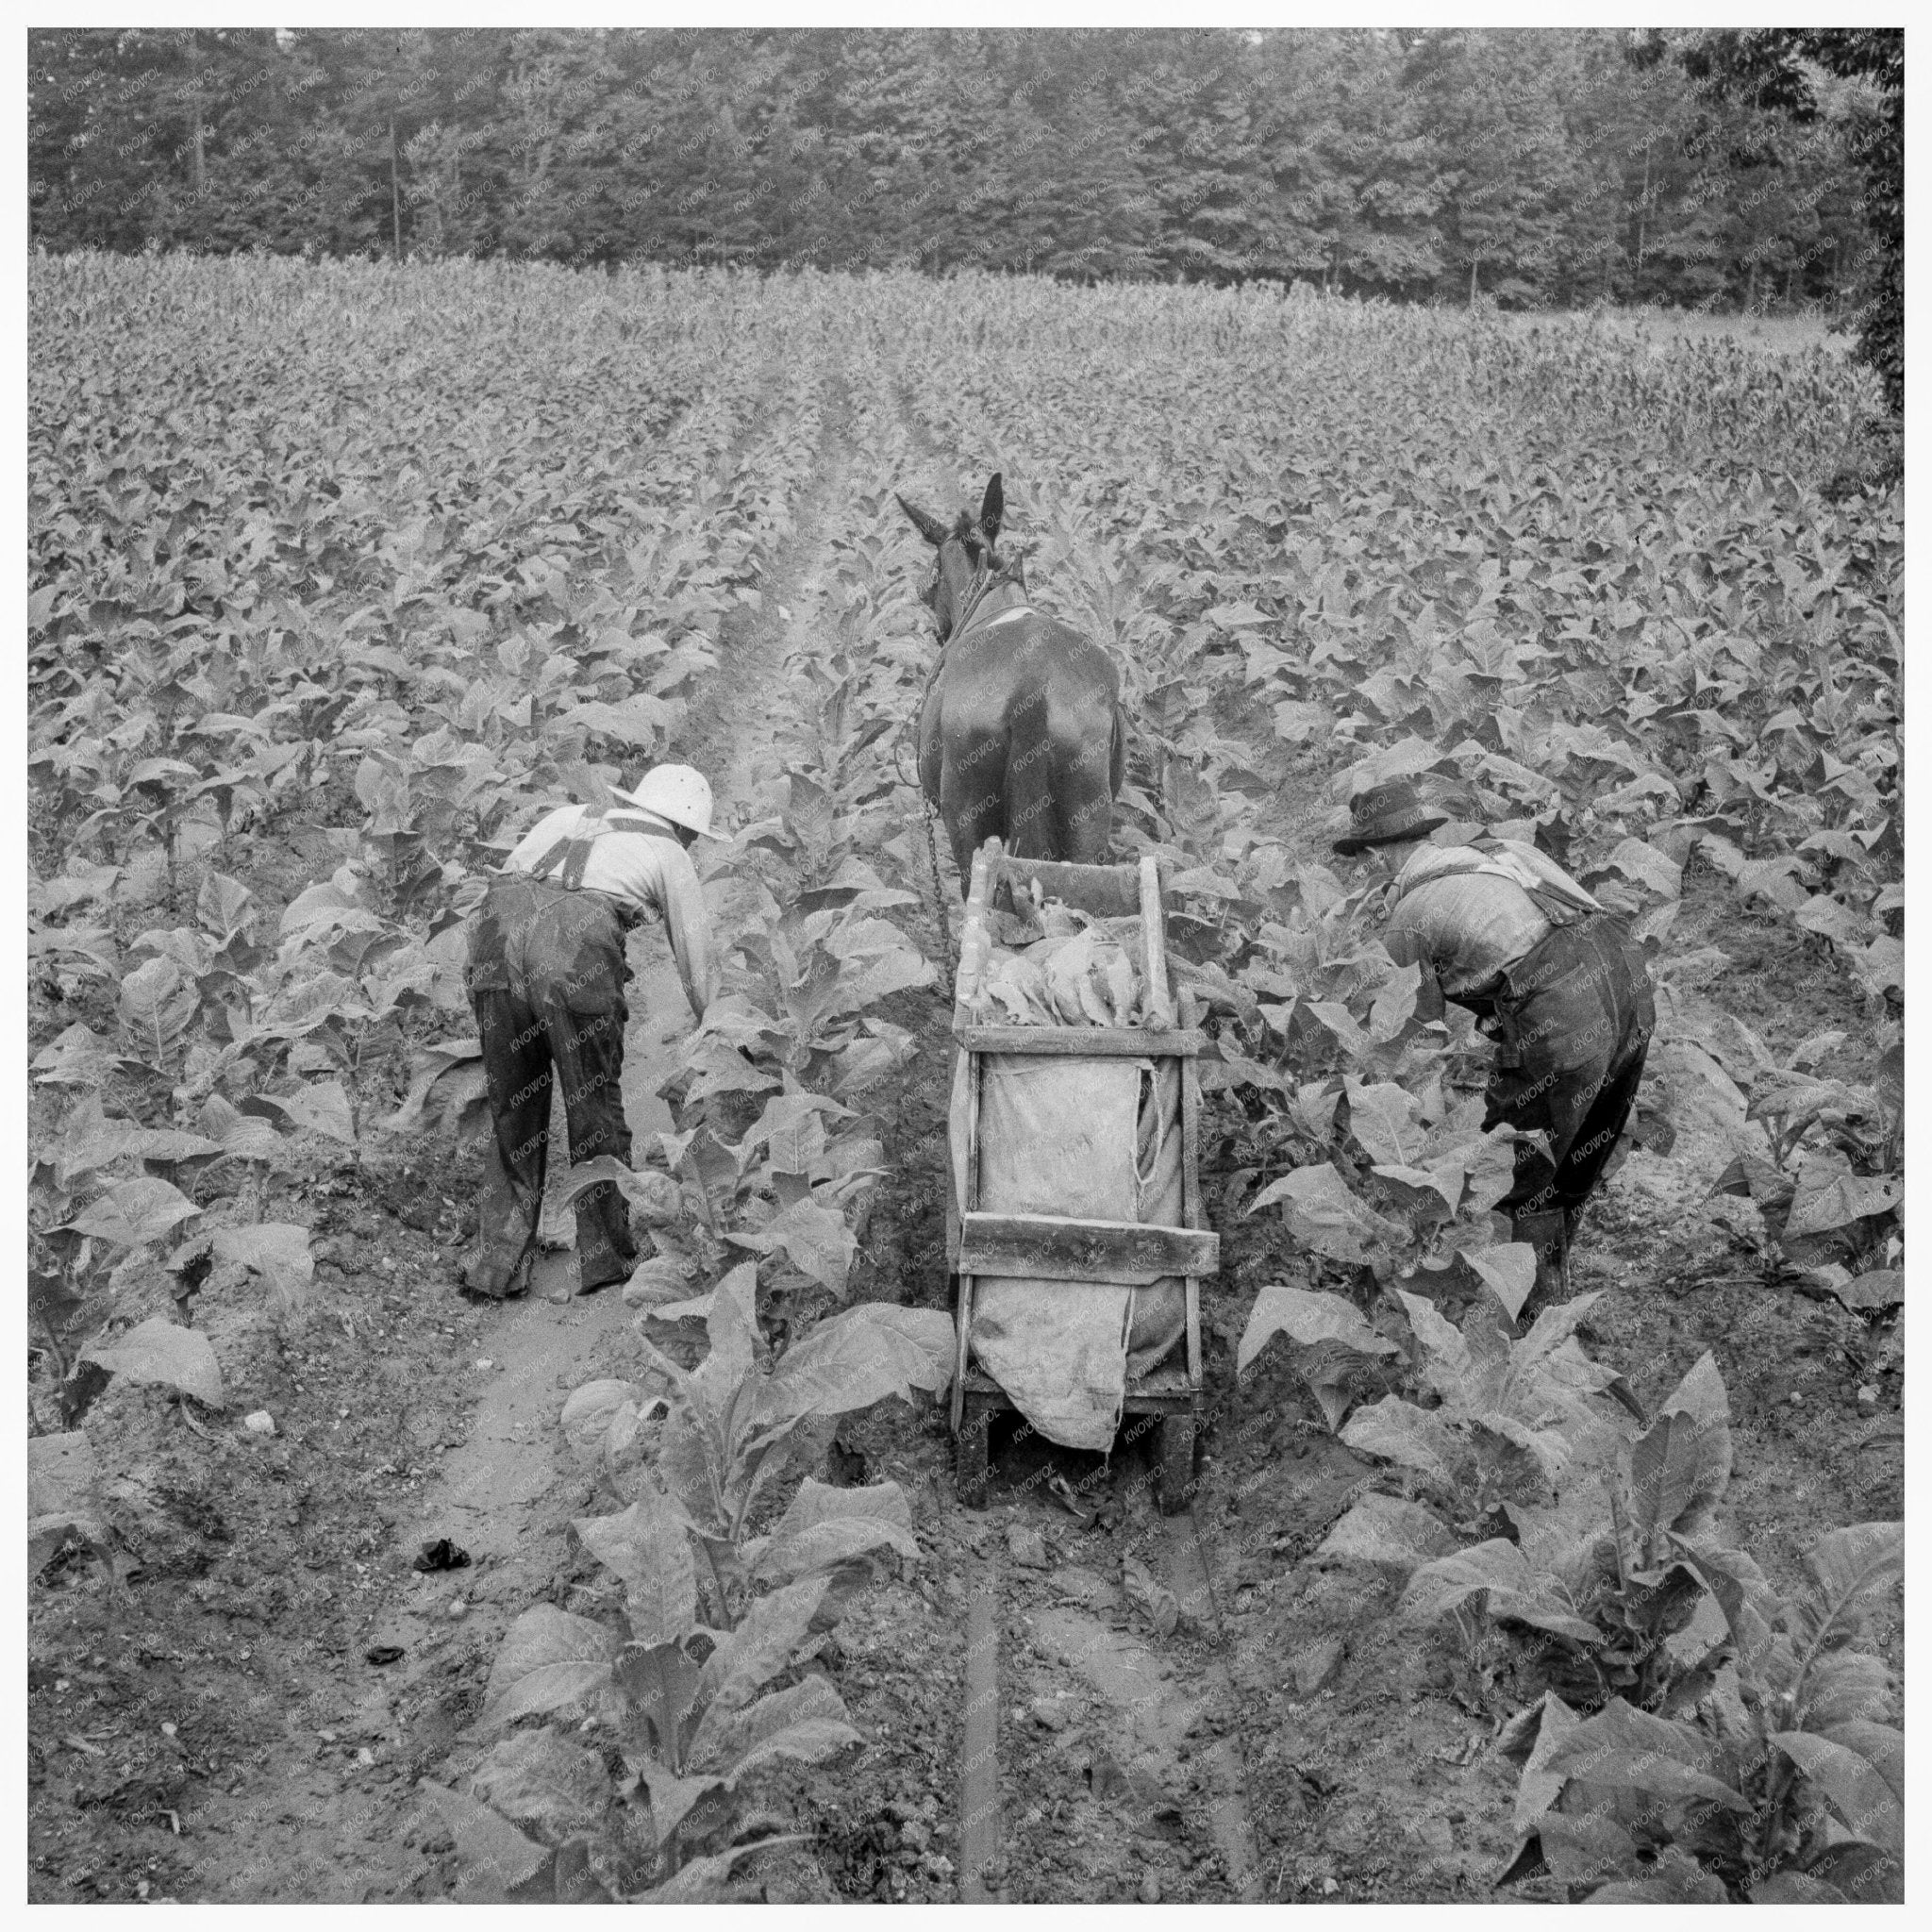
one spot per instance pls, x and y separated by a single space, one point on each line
938 891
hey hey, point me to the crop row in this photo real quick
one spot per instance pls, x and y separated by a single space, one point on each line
728 1561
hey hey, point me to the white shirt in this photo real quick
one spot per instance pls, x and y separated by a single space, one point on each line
1470 914
1467 928
648 870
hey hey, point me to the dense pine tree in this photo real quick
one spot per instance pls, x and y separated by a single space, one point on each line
1547 167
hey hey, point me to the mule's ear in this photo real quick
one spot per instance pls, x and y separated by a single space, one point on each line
923 522
992 509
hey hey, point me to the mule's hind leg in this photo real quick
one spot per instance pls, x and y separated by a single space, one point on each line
1083 800
975 810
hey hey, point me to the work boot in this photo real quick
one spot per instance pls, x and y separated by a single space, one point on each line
1548 1234
486 1277
617 1271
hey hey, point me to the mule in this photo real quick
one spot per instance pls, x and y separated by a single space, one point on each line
1020 732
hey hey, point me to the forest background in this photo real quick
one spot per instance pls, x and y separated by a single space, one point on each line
1538 167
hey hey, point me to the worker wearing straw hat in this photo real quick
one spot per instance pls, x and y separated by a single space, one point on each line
1555 980
547 978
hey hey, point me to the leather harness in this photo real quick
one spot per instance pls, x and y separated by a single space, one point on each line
986 579
967 617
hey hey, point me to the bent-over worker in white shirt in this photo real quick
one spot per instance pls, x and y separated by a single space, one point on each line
547 978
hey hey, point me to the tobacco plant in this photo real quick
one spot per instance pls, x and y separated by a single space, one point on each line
1829 1200
1597 1589
1786 1782
711 1614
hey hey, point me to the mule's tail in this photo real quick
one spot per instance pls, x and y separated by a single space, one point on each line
1032 827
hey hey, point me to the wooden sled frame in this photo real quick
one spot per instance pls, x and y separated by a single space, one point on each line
1046 1247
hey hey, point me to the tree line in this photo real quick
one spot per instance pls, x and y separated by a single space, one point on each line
1530 166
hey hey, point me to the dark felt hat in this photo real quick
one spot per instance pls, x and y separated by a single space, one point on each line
1387 812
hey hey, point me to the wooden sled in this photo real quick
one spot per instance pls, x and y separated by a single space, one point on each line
1169 1398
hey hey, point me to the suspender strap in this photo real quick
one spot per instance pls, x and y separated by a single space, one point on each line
572 853
642 828
552 859
1548 896
1555 908
569 856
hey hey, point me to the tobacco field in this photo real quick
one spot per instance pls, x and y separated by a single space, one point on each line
344 1586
